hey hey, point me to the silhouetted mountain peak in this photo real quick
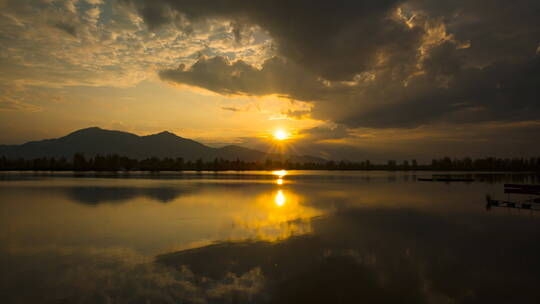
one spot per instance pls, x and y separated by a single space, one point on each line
227 147
233 148
86 131
95 135
166 134
94 141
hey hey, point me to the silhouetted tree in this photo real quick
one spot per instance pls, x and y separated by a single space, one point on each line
79 162
114 162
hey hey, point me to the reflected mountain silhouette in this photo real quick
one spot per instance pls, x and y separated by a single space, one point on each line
95 195
425 258
364 241
99 195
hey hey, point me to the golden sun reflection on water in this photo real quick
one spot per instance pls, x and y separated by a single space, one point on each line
280 173
280 198
278 215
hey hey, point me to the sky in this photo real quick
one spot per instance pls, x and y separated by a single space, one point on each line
373 79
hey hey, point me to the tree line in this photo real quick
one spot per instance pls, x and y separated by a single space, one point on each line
113 162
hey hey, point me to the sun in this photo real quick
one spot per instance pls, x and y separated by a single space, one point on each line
281 134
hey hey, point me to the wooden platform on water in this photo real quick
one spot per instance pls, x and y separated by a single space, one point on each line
445 179
531 203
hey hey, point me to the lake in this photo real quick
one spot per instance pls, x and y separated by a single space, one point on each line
265 237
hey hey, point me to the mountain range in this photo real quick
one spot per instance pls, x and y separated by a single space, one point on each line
94 140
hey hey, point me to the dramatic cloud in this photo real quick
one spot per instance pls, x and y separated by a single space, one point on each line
275 77
324 133
98 43
377 63
406 66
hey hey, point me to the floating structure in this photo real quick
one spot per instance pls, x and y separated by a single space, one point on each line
446 178
522 189
531 203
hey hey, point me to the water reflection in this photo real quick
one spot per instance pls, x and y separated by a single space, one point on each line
386 256
280 198
277 215
280 173
344 237
100 195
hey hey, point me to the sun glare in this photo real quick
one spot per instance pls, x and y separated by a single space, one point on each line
281 134
280 173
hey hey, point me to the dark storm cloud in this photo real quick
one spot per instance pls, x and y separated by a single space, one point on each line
378 63
66 27
498 30
322 133
331 38
277 76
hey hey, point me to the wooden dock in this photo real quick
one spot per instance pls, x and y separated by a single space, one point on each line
531 203
445 179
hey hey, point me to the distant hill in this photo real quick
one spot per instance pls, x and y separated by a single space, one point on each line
93 141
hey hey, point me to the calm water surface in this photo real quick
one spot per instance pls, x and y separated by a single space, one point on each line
264 237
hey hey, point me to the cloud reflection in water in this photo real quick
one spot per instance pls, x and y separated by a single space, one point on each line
339 239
